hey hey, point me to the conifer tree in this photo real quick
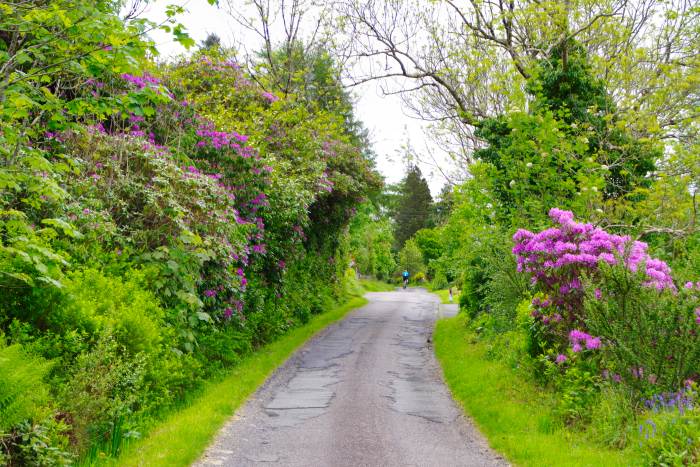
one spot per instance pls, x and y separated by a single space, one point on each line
414 208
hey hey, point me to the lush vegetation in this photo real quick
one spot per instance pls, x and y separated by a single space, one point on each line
161 220
158 221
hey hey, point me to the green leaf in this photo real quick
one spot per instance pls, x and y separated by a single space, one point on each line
203 316
67 228
22 277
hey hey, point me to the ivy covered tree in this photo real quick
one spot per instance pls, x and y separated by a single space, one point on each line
567 150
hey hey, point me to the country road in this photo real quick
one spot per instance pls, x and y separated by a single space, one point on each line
367 391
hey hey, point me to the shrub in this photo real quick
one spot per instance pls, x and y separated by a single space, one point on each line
439 282
577 389
104 388
473 292
558 258
651 338
503 289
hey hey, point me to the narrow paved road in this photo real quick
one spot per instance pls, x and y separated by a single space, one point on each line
365 392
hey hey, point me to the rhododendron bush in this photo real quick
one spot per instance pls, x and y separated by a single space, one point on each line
558 258
601 291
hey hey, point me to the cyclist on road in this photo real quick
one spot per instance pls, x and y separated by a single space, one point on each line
405 279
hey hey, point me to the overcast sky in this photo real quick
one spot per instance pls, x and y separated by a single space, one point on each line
389 125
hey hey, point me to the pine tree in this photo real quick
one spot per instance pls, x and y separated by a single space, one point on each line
414 207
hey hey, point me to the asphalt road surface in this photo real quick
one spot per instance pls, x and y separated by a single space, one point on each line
367 391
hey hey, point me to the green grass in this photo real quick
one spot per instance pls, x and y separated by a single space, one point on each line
181 438
444 295
512 412
371 285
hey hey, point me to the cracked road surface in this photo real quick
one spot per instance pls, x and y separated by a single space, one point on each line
367 391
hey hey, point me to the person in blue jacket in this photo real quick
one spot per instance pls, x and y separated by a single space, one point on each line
405 279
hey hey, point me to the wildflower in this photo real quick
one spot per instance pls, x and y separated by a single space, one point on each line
210 293
577 348
688 285
561 358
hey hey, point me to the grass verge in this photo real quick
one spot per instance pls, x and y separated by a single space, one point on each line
182 437
513 413
371 285
444 295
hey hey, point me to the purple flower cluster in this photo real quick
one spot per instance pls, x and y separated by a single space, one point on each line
268 96
556 256
579 338
324 184
141 81
224 139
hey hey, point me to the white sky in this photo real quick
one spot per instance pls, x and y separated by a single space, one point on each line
389 125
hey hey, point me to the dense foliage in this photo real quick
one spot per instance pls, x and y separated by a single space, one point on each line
160 220
157 221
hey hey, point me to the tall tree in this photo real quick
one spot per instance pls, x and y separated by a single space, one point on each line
415 206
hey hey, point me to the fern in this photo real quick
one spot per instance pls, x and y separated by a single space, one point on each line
22 390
